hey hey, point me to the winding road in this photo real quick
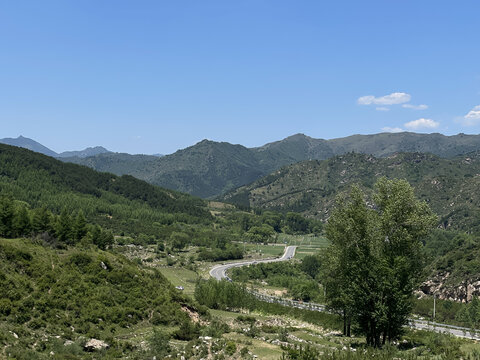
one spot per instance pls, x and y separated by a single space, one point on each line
219 272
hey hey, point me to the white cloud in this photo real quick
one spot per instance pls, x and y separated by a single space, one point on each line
382 108
473 117
422 124
391 99
415 107
392 129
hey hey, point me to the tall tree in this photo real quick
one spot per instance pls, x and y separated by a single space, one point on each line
63 229
403 223
373 263
22 224
41 221
348 230
6 216
79 226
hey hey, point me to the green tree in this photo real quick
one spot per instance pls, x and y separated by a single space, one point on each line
100 237
6 216
347 230
187 330
296 224
273 219
41 220
404 222
159 343
310 265
80 226
63 228
262 233
470 314
374 261
179 240
22 224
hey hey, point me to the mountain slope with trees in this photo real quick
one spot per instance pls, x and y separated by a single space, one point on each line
450 186
130 207
123 204
205 169
209 168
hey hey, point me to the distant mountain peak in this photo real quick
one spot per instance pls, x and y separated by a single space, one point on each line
297 137
90 151
29 144
24 142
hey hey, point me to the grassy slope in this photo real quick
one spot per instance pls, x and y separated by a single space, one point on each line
75 294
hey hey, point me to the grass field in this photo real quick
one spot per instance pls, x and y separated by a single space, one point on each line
181 277
306 241
306 244
271 250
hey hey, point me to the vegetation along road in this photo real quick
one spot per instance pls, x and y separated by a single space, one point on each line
219 272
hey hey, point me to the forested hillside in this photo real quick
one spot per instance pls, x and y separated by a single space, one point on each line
131 207
450 186
208 168
123 204
205 169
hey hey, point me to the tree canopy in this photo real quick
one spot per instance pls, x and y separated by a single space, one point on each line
374 262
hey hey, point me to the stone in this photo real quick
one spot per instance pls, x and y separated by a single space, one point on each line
95 345
470 290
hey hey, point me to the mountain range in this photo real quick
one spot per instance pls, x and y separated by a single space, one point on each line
209 169
37 147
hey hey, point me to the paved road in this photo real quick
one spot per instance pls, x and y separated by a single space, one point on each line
219 271
444 328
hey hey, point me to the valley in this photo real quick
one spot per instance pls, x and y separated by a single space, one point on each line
239 180
128 229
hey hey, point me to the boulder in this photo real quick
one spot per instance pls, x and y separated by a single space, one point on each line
95 345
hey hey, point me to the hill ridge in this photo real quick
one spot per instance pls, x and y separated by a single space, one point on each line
211 168
310 187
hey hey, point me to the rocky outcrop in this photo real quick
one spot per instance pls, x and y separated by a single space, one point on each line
95 345
440 287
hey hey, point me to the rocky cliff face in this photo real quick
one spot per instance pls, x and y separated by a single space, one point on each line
440 286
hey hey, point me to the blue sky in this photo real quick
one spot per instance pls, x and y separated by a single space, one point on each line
155 76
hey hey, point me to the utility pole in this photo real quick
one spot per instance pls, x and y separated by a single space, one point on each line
433 306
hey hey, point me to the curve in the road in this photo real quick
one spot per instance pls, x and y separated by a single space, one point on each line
219 272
